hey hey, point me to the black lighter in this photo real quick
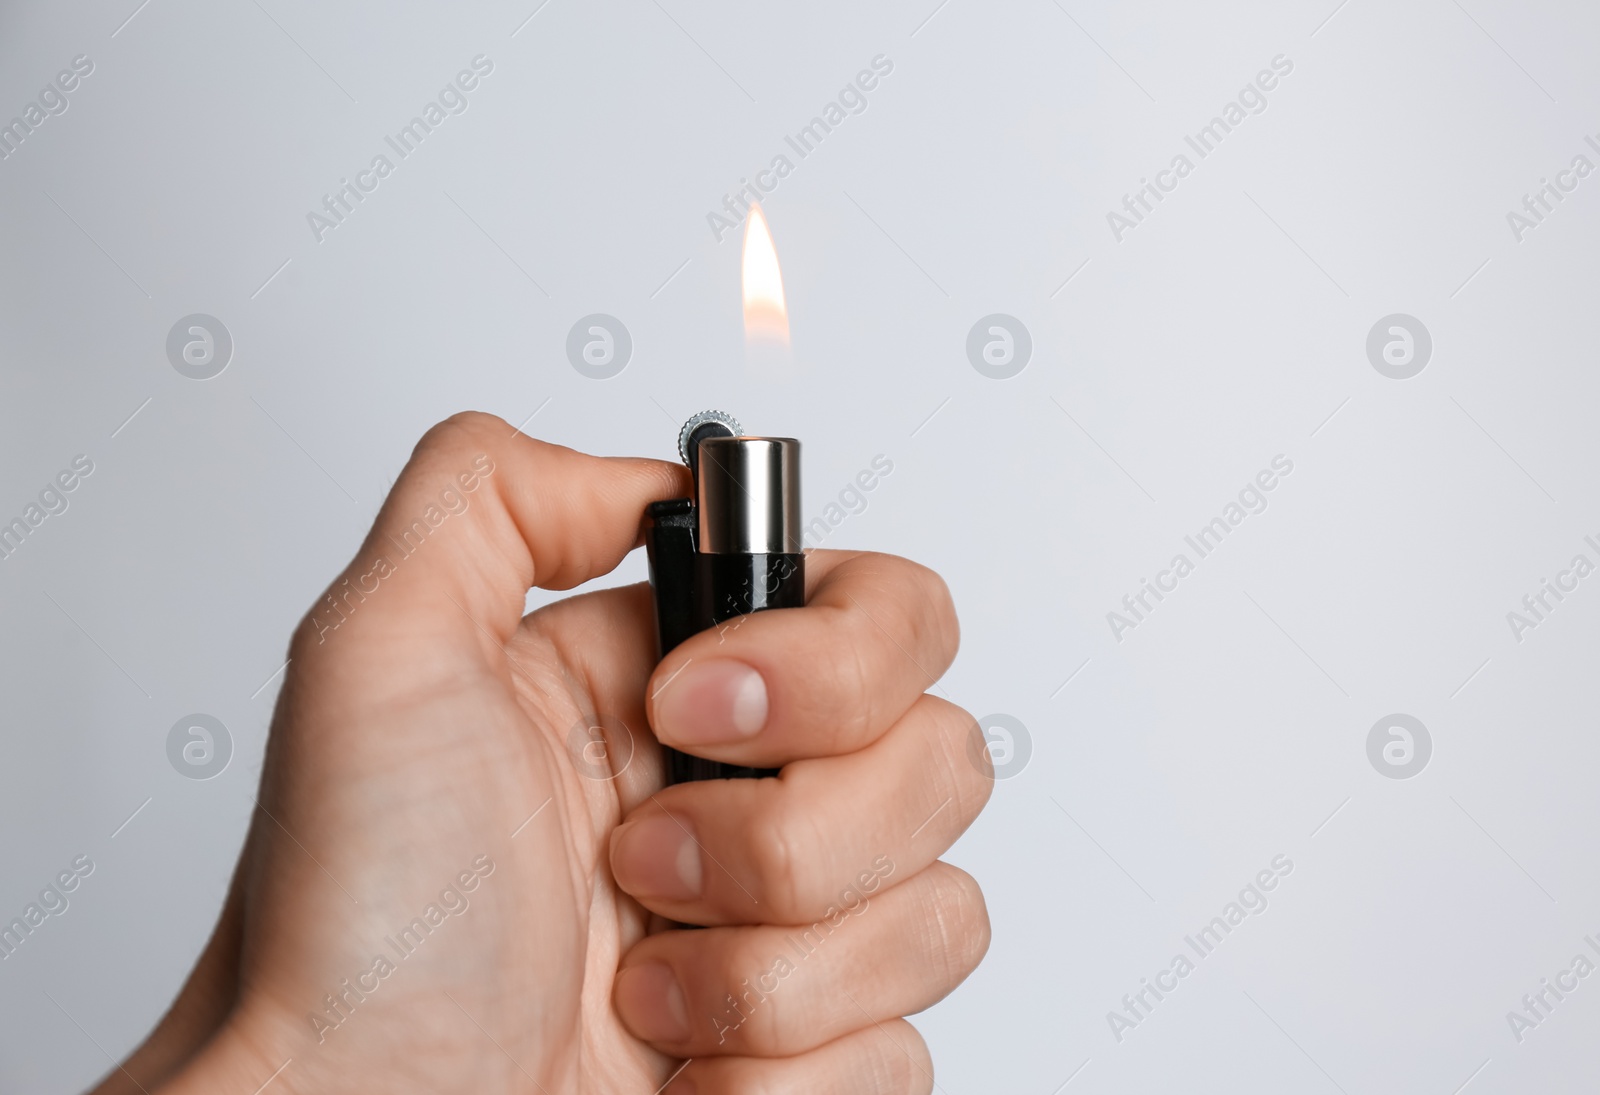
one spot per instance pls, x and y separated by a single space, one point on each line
732 549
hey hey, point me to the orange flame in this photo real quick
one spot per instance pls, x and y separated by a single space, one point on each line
766 318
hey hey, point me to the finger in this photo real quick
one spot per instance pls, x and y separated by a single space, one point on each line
775 991
886 1059
805 682
831 832
480 514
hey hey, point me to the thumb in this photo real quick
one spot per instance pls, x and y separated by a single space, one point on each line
480 514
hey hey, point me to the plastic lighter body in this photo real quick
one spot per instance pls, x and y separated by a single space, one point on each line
732 549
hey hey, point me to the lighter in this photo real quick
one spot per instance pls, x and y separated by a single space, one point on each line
732 549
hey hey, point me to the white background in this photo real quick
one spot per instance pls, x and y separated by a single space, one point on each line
1168 368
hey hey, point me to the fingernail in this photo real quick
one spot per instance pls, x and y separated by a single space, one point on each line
711 701
658 857
650 1001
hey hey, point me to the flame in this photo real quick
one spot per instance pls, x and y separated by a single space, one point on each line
766 318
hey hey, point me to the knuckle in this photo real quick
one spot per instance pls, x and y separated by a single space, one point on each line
742 1000
476 430
958 923
940 609
930 609
900 1063
476 423
941 787
923 605
890 1058
846 678
934 589
965 773
779 838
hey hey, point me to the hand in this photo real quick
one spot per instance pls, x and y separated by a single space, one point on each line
446 887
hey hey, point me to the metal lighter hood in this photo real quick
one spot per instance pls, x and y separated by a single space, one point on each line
748 496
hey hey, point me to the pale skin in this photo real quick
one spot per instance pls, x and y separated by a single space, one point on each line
413 742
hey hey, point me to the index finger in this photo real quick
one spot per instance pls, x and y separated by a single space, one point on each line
829 678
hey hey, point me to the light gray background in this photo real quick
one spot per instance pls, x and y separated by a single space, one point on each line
1229 327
